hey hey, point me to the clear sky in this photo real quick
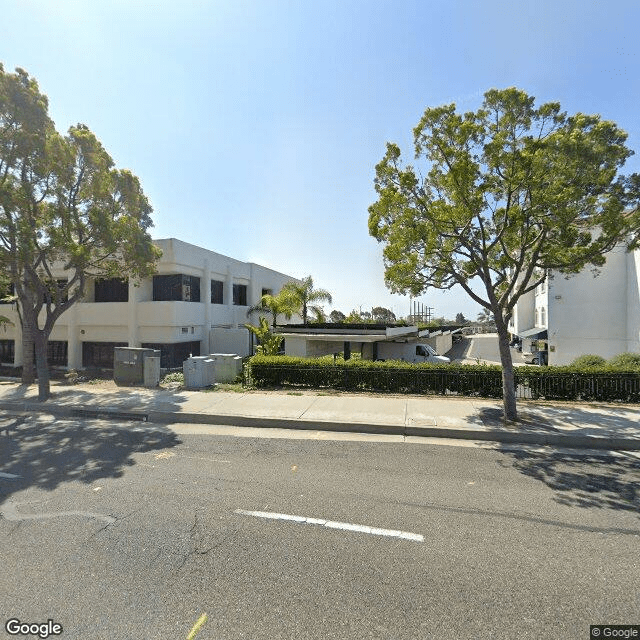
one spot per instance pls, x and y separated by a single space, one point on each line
255 126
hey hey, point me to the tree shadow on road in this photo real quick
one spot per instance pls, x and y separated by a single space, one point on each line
44 452
588 480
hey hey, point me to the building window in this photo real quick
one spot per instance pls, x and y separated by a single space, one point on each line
99 354
217 292
543 316
267 292
173 355
176 287
112 290
57 351
240 294
7 351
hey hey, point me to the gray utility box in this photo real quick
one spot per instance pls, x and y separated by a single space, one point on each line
129 365
228 366
199 372
151 371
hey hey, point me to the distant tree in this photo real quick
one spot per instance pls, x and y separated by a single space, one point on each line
280 304
63 205
305 295
382 314
354 317
337 316
460 319
505 194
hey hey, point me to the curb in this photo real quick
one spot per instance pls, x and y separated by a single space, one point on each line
612 443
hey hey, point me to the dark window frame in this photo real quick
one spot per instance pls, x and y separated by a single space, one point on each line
217 292
104 351
176 287
240 295
111 290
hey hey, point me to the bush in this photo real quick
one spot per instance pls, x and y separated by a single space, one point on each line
366 375
176 376
550 383
588 360
626 361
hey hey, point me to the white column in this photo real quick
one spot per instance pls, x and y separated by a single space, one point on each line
205 296
74 346
132 310
228 296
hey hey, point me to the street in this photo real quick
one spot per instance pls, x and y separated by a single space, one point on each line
134 530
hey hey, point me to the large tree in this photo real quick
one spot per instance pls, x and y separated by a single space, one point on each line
66 215
304 295
503 195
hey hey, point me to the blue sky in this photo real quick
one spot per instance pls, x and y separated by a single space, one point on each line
255 126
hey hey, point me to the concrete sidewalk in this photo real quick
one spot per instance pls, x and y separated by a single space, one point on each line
602 426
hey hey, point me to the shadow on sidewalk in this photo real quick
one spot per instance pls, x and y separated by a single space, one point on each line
569 419
44 452
118 399
583 480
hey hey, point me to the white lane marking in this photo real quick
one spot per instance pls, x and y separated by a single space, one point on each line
8 475
345 526
9 511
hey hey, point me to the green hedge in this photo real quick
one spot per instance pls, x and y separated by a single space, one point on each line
365 375
551 383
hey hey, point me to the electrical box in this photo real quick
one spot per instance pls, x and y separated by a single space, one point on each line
128 364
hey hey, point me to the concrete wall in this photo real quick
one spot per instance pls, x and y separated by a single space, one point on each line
441 344
230 341
588 313
300 347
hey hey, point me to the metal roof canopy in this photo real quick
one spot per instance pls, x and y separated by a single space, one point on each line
530 333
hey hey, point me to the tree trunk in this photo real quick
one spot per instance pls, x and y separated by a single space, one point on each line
508 380
42 366
28 365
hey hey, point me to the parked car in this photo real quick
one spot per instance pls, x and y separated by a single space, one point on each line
537 357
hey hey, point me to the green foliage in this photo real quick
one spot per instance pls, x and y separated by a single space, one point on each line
337 316
588 361
626 361
550 383
269 343
62 201
366 375
503 194
281 304
382 314
176 376
304 295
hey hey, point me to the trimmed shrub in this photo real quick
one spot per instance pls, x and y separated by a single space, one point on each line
550 383
587 361
625 361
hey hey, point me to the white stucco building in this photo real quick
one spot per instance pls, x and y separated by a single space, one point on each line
196 304
583 314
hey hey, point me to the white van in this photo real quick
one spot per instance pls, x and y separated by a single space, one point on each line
409 352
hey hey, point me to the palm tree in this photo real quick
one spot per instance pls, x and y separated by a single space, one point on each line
304 295
281 304
485 316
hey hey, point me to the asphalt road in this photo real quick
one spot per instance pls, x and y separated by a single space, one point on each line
133 531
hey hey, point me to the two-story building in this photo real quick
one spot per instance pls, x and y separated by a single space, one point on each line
592 312
196 304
